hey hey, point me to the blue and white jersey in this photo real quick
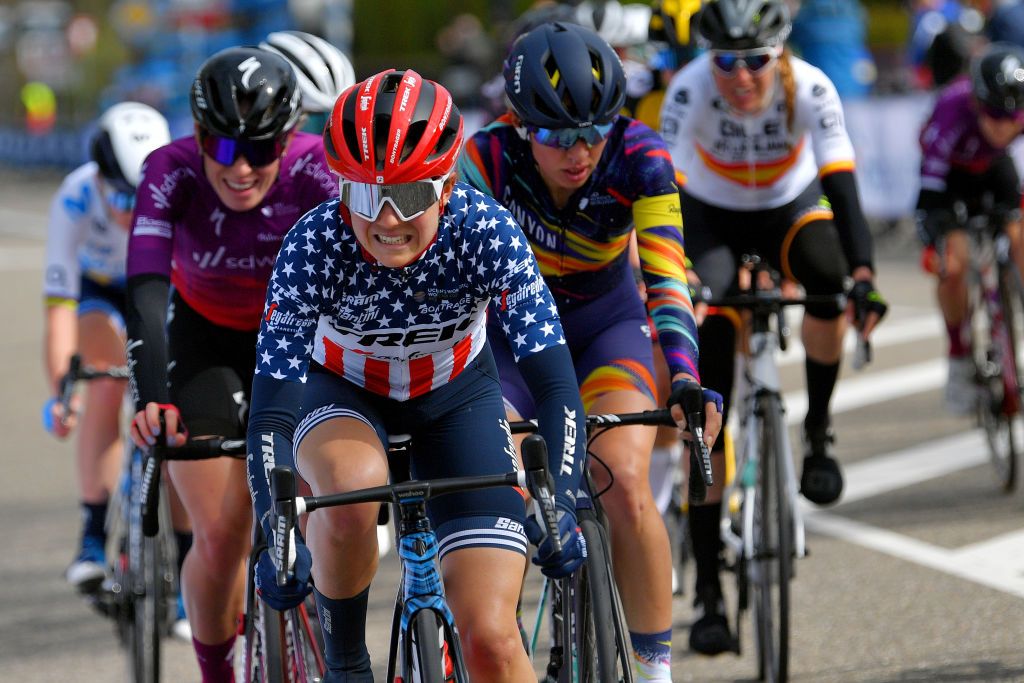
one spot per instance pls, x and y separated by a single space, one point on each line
81 239
401 332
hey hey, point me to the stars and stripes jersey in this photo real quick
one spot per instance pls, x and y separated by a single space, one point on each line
401 332
81 239
952 139
217 259
582 248
754 162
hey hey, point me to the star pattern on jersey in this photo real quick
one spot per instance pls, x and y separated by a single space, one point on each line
321 275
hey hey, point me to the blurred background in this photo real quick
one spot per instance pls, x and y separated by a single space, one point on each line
62 63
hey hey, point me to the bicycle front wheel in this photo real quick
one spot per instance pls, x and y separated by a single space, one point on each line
264 653
148 607
772 565
432 655
601 638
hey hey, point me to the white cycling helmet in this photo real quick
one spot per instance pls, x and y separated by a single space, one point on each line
619 25
125 135
322 70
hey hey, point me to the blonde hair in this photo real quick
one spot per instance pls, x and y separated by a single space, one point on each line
788 86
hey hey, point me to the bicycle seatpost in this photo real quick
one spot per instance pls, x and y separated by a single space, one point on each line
282 490
541 485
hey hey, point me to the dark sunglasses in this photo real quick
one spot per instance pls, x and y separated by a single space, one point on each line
1001 114
728 63
226 151
566 138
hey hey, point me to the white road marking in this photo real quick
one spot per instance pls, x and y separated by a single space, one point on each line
873 388
912 328
997 562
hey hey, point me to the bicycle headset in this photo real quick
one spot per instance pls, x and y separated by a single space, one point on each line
744 24
322 71
562 75
125 135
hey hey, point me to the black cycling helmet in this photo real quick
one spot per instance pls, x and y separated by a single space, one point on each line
561 75
744 24
246 92
997 77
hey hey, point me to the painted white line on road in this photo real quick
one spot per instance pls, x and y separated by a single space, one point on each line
997 563
873 388
1001 577
893 333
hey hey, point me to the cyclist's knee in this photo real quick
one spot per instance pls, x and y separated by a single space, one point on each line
349 522
629 500
219 548
490 648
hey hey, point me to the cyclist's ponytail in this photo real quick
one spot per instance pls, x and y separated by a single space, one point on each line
788 86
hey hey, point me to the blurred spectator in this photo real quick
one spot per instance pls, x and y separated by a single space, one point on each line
930 19
1006 24
830 34
471 55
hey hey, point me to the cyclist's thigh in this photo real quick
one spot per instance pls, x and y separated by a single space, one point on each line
101 325
718 356
806 240
460 430
340 437
209 372
482 587
708 231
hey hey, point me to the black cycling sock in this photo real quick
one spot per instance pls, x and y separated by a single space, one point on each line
706 540
94 517
183 541
821 381
344 626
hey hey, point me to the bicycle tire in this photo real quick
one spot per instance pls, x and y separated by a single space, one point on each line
1005 431
773 548
602 640
306 663
264 658
146 590
425 662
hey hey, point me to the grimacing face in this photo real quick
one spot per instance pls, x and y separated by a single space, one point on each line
395 243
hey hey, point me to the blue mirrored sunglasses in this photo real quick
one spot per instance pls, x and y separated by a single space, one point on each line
728 63
120 201
258 153
566 138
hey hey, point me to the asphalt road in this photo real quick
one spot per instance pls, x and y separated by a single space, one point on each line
917 575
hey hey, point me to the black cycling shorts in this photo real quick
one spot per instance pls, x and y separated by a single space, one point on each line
210 372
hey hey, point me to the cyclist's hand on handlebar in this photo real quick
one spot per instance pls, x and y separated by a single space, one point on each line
710 399
574 548
58 421
295 591
146 425
866 307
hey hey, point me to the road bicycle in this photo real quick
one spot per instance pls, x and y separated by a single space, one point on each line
762 529
277 647
424 645
996 309
589 638
139 593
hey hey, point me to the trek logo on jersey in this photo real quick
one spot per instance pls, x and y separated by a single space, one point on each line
410 337
528 292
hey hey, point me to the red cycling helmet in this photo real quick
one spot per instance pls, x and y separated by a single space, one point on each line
394 127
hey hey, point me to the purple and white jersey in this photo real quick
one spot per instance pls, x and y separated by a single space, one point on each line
219 260
401 332
952 139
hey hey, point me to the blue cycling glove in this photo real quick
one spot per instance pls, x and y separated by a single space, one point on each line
295 591
574 546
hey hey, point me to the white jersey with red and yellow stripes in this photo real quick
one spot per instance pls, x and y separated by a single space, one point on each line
748 162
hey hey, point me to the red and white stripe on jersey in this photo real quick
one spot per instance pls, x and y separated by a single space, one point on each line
388 370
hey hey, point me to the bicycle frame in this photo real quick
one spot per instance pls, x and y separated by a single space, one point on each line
760 376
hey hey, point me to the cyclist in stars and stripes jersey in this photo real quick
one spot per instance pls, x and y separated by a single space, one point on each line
583 180
375 323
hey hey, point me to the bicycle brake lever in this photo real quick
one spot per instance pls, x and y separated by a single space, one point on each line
282 490
693 407
541 486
